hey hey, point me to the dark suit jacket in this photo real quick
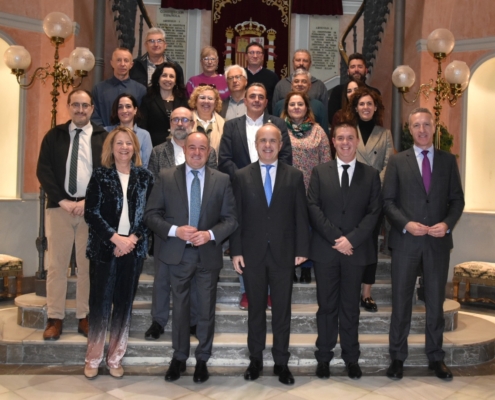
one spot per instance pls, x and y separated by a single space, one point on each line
234 151
163 156
154 117
168 205
103 208
284 223
405 198
355 219
139 71
53 158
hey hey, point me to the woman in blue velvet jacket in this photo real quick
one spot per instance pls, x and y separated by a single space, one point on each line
115 202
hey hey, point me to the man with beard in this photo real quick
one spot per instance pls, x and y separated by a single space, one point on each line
357 70
318 90
167 155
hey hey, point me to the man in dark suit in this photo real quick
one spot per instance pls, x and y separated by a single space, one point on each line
191 209
167 155
423 200
344 204
272 237
238 148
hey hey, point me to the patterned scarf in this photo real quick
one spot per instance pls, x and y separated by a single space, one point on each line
299 130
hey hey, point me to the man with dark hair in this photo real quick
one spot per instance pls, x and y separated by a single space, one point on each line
105 92
318 90
68 155
144 66
344 204
357 70
257 73
423 200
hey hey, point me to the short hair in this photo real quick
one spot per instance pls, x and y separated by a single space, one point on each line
122 49
77 91
341 124
254 44
357 56
243 71
256 84
377 100
419 110
309 111
155 30
193 100
202 133
178 91
208 50
306 51
114 117
269 124
175 109
302 71
107 158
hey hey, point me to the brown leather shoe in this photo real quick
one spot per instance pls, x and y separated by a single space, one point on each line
53 329
83 326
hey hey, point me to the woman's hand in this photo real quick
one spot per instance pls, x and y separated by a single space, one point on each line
123 244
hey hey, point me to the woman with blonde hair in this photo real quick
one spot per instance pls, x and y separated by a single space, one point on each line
118 240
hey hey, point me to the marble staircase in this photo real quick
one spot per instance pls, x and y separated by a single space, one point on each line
467 340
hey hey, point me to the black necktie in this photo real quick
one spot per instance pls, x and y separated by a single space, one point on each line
345 180
73 163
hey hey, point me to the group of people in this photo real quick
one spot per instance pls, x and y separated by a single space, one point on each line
205 164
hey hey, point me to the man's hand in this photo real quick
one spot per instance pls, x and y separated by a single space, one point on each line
78 208
416 229
300 260
238 262
438 230
200 237
185 232
67 205
343 246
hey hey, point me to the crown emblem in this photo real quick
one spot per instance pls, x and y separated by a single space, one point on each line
250 27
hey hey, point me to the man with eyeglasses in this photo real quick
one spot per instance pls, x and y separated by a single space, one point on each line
234 106
145 65
68 155
318 90
168 155
257 73
105 92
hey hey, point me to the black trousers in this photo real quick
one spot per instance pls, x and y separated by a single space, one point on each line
405 267
338 289
257 278
370 270
181 276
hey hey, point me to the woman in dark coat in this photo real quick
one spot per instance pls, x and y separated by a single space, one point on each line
164 95
115 201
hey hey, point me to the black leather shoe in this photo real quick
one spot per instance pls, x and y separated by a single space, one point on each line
395 370
253 371
441 370
323 370
354 370
192 330
369 304
201 372
305 275
154 331
284 374
173 372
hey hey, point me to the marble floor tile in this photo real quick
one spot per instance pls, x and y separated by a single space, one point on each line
366 383
10 396
321 389
3 389
150 388
15 382
461 396
374 396
103 396
194 396
239 389
59 389
416 389
286 396
482 387
106 382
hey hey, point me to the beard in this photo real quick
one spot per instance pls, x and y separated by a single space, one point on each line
357 76
180 134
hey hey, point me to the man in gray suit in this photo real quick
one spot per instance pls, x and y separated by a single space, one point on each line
423 200
167 155
191 209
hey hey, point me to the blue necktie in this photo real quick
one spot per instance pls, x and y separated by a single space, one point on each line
268 184
195 201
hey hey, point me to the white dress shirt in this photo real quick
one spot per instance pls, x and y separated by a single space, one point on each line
419 157
180 158
84 161
273 173
252 127
350 170
124 223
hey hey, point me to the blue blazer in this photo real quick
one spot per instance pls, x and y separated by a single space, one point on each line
103 208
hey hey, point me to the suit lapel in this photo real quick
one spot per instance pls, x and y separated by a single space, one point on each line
241 128
333 176
413 166
161 105
169 152
207 190
279 176
258 187
180 180
356 180
374 138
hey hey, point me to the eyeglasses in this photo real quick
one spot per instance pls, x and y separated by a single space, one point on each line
155 41
77 106
210 59
255 53
208 85
236 77
184 120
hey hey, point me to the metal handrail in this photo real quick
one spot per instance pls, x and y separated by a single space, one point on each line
353 22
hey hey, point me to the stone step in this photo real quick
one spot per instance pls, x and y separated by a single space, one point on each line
472 343
230 319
